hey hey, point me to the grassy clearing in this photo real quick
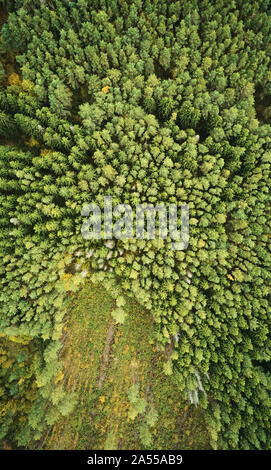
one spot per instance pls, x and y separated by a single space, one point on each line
102 361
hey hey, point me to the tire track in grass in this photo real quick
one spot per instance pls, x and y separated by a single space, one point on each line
106 353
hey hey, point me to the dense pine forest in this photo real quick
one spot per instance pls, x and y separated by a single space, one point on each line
124 342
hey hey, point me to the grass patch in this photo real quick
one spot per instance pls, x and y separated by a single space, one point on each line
124 357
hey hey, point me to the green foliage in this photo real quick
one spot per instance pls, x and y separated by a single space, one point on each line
137 403
110 442
145 435
152 417
119 315
18 389
166 103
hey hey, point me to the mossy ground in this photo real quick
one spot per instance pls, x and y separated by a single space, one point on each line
101 367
